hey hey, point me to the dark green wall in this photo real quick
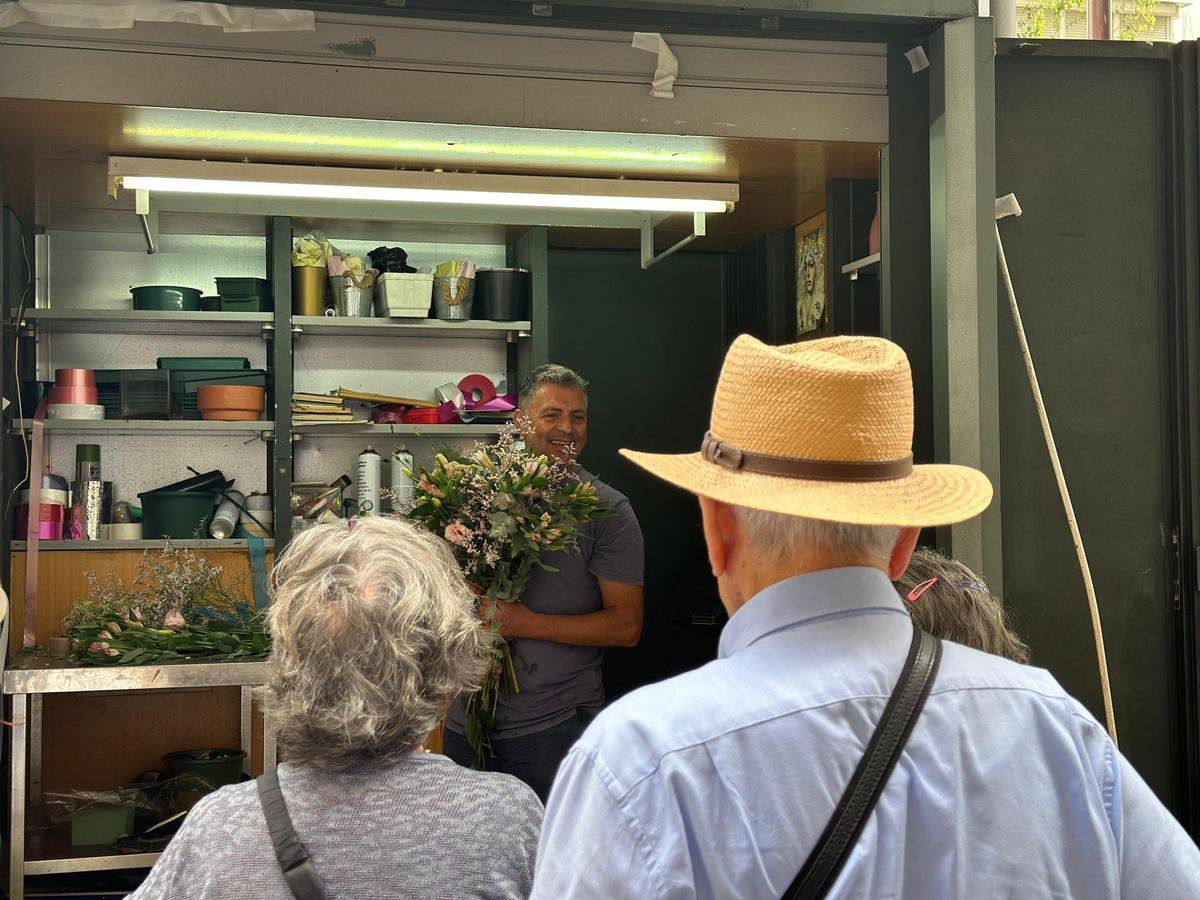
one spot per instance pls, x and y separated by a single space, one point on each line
1083 144
651 344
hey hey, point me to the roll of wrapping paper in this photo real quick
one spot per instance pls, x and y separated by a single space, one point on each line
477 389
91 507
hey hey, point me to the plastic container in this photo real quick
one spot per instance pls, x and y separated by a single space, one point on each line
176 514
168 297
308 290
215 767
244 287
245 304
402 295
210 304
231 402
101 824
146 394
503 295
207 481
203 362
453 298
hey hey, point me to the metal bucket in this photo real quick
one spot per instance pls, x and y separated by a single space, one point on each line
308 290
453 298
353 297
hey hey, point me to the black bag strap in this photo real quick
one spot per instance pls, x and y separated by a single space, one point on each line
298 869
866 784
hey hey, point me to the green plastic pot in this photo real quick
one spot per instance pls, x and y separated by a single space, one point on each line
215 767
159 296
176 514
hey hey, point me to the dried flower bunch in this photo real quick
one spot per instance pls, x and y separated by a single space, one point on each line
178 607
502 509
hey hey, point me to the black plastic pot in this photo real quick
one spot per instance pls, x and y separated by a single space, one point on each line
208 481
503 295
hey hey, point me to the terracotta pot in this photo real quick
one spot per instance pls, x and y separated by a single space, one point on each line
230 402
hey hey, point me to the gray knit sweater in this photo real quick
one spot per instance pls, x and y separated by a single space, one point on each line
422 828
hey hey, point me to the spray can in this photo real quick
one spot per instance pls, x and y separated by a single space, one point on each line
87 462
370 473
402 482
226 518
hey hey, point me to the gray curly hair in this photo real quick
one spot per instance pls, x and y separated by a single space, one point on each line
374 633
958 606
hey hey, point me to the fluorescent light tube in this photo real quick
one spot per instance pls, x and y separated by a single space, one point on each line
172 185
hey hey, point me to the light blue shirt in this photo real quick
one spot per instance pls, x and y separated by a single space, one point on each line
717 783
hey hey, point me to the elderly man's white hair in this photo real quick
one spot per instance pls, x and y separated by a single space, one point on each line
374 633
777 536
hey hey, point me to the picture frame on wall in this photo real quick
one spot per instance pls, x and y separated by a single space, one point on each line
812 279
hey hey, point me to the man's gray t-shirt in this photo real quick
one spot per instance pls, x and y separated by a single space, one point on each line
556 680
423 827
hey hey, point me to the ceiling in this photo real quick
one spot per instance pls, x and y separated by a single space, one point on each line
55 156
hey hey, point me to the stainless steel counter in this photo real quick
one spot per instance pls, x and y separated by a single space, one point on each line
28 678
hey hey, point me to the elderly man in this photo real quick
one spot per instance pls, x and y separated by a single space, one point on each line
724 781
565 618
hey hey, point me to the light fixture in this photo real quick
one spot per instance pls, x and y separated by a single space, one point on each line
165 176
511 199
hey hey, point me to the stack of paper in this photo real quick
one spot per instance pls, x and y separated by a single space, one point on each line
318 408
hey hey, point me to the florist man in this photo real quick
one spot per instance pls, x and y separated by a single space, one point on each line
564 619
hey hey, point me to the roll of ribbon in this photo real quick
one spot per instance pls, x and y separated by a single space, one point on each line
63 395
74 377
477 389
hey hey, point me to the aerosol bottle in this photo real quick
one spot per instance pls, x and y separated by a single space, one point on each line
226 518
370 471
402 482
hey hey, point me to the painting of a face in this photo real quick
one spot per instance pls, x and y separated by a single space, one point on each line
810 275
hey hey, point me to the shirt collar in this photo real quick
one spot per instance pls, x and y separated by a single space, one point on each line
830 593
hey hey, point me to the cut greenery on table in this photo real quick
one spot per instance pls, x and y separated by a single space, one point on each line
179 607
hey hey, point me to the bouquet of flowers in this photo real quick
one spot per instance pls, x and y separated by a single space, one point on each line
178 608
501 509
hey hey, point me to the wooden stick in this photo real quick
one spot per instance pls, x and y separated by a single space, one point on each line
1102 658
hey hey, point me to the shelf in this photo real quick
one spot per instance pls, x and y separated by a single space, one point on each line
147 427
357 326
136 321
42 675
102 860
430 432
866 265
50 546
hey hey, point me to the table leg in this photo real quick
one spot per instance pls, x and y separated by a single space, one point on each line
16 817
35 747
247 726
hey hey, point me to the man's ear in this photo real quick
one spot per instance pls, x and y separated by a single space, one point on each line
902 552
720 529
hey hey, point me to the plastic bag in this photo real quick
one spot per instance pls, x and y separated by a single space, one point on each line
391 259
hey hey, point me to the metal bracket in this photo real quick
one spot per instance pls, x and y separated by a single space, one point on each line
148 214
649 258
268 331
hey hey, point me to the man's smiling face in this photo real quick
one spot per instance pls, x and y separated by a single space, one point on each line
557 421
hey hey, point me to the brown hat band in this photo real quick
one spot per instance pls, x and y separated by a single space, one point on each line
731 457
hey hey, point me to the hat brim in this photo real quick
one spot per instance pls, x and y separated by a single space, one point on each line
931 495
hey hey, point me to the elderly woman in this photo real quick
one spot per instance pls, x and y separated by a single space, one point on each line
374 634
950 601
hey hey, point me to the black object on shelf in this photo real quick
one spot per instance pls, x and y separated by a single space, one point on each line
205 481
503 295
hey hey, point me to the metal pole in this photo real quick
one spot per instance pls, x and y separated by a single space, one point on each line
1099 18
1004 15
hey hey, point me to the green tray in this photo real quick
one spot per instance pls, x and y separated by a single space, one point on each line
244 288
203 362
245 304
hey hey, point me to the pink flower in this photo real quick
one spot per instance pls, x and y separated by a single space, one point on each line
536 538
458 533
174 620
112 651
104 635
532 466
97 647
114 627
426 486
545 518
136 613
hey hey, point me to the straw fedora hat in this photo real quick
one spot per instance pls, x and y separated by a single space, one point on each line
821 429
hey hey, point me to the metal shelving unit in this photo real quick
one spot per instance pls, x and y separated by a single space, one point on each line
51 546
28 679
430 432
193 427
866 265
414 328
135 321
